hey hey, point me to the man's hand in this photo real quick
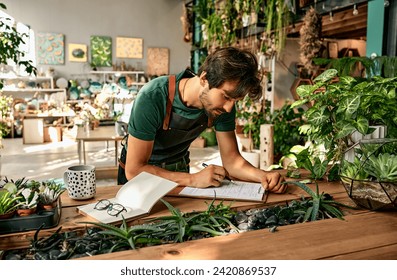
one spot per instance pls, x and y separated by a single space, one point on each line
273 182
210 176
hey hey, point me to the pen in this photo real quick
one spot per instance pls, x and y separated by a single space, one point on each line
226 177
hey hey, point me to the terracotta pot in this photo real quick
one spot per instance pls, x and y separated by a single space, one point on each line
7 215
48 207
26 212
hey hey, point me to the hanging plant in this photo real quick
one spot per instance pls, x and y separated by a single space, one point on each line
310 39
277 18
223 21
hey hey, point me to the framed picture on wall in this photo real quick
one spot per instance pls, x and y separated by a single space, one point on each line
77 52
101 51
157 61
129 47
51 48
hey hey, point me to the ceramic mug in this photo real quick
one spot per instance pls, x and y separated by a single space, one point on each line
80 181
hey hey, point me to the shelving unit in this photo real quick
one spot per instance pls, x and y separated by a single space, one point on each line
41 88
135 74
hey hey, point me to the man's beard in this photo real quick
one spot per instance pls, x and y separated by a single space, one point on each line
211 112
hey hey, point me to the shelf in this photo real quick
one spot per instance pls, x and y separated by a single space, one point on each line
41 115
117 72
44 90
28 78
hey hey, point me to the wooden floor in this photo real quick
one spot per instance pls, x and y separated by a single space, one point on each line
362 235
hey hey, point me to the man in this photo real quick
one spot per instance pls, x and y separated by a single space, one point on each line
160 135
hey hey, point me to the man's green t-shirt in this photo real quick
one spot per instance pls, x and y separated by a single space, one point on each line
149 108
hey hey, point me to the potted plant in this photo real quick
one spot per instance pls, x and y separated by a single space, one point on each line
27 193
49 193
8 204
349 105
371 178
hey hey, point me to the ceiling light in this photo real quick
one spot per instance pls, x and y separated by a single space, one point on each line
355 11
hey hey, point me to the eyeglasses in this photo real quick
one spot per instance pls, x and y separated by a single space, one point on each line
113 209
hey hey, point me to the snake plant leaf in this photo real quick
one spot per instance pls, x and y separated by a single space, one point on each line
315 209
303 187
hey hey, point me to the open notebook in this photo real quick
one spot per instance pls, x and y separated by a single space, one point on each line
138 196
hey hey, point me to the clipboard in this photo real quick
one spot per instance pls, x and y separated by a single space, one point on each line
236 190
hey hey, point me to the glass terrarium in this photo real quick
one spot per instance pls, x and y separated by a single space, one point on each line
370 176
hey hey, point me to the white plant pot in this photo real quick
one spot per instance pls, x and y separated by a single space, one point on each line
252 157
379 132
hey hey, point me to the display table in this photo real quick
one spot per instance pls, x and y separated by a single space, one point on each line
363 235
101 133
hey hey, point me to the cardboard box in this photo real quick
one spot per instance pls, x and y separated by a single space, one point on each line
52 134
33 131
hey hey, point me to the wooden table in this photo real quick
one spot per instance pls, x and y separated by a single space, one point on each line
363 235
101 133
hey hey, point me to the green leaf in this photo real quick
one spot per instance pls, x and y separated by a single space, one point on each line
319 117
299 103
362 125
346 130
305 90
303 187
349 105
315 210
392 93
319 168
326 76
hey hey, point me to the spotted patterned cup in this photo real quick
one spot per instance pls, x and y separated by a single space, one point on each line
80 181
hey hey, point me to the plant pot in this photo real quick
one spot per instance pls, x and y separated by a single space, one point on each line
379 133
252 157
48 207
7 215
26 212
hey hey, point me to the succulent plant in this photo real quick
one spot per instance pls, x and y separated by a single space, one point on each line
28 198
50 192
383 167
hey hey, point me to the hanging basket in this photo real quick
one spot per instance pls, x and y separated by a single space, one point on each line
370 193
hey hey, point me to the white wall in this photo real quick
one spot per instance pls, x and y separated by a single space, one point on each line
156 21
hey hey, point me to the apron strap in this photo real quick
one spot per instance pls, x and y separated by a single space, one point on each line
170 100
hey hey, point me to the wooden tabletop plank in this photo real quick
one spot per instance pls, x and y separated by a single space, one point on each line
358 237
101 133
